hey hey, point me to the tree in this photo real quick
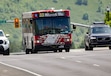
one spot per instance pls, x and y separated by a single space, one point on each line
99 9
79 2
73 45
55 1
85 16
85 2
107 18
68 8
81 44
16 1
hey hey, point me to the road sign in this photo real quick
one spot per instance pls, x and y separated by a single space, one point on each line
2 21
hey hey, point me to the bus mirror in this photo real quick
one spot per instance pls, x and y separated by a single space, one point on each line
74 27
31 21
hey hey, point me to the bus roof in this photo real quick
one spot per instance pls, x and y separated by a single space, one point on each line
29 14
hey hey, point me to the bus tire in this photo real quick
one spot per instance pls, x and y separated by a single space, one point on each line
60 50
55 51
67 49
33 51
27 51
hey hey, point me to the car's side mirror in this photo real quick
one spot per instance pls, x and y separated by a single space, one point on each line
7 35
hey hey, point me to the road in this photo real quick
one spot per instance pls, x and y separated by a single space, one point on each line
75 63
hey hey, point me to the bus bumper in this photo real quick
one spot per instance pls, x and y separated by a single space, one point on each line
52 47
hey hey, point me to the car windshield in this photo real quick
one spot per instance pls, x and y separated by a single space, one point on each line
1 33
99 30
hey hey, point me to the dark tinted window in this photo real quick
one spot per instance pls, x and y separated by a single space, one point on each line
53 25
97 30
1 33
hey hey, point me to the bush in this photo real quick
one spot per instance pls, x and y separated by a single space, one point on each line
85 16
81 2
68 8
85 2
55 1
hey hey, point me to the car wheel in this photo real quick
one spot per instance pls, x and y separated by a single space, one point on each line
86 47
110 47
6 52
90 47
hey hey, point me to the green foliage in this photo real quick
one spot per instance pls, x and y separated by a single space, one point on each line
55 1
81 2
107 19
82 44
69 8
99 9
85 16
100 6
85 2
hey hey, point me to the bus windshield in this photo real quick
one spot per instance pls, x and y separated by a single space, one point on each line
58 25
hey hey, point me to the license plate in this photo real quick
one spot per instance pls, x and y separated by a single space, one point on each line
61 46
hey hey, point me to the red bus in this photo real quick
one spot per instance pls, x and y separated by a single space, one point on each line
46 30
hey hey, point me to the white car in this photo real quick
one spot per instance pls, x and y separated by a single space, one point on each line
4 43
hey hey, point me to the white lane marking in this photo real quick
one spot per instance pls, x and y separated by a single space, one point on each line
96 65
63 57
79 61
68 57
25 70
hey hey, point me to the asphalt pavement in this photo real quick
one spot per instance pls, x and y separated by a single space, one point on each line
10 71
75 63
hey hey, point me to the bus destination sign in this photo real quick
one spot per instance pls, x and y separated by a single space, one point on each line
54 14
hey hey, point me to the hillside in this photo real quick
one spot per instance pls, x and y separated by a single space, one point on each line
82 11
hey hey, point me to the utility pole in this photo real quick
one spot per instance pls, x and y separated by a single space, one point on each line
108 10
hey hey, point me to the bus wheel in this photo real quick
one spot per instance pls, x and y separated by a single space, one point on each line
34 51
60 50
55 51
67 49
27 51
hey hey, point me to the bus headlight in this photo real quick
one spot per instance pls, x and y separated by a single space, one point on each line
66 39
38 41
